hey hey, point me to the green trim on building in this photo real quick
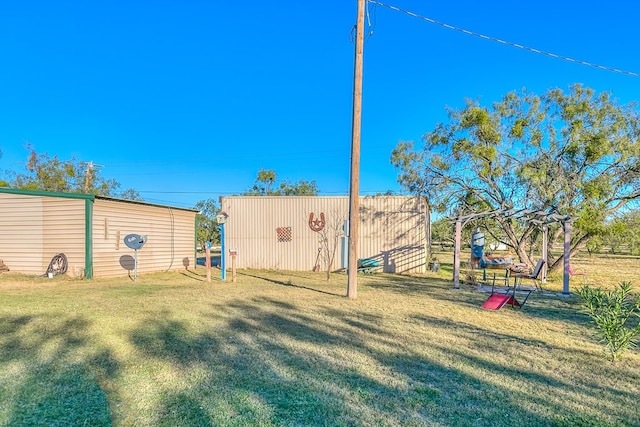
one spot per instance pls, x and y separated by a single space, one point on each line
88 239
47 193
86 197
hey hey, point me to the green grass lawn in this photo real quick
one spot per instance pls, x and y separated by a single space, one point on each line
287 348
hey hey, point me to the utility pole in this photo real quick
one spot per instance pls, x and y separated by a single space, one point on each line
354 185
87 175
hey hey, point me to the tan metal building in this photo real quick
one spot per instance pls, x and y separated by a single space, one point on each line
293 233
89 230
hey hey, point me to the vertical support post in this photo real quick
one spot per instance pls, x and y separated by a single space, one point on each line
456 255
545 244
207 261
135 265
233 266
223 264
427 230
567 255
354 190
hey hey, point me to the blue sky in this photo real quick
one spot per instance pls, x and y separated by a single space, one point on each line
186 100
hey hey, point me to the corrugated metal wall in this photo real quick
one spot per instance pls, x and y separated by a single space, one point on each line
35 228
170 244
274 232
64 232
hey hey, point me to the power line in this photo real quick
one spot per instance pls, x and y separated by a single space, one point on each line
231 193
284 156
508 43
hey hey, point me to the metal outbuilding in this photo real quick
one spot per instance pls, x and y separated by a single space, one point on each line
287 232
89 230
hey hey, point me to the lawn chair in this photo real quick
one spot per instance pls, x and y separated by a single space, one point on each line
497 300
582 273
534 275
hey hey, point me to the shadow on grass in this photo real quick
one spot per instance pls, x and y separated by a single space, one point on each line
194 275
47 384
539 305
287 283
425 287
523 353
270 363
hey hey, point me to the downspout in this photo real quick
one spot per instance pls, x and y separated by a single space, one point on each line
88 238
173 238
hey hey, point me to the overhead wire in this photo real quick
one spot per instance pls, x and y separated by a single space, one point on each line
505 42
370 23
235 156
372 26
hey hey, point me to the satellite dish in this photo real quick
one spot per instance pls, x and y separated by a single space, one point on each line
134 241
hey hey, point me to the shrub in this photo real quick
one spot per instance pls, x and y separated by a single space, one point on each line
610 311
471 278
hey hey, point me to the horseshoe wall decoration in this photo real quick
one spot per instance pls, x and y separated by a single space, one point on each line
316 224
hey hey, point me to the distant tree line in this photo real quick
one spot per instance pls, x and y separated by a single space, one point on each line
45 173
621 236
266 184
50 173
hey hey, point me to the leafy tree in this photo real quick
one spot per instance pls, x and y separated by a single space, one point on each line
574 153
442 232
615 234
623 232
72 176
3 183
131 194
594 245
633 231
266 179
300 188
207 228
263 183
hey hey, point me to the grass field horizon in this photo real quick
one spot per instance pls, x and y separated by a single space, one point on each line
288 348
